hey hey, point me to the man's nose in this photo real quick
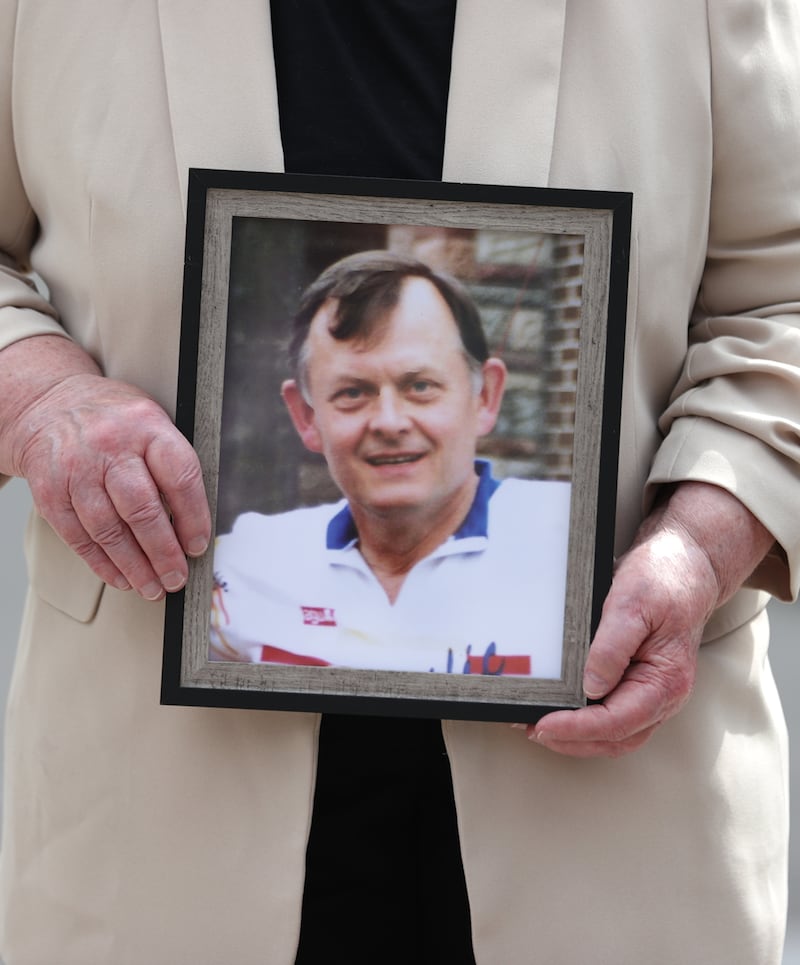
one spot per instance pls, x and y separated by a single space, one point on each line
389 413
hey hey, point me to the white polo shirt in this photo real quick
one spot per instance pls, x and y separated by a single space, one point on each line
293 588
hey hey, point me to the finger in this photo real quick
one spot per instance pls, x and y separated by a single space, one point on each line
136 500
622 723
620 634
109 531
176 471
611 749
63 520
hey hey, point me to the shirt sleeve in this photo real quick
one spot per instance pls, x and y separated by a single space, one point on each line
734 415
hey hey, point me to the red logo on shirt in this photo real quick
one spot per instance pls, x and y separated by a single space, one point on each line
318 616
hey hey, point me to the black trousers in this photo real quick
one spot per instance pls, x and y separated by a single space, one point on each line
384 879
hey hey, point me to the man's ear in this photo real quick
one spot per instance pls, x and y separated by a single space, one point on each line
302 415
490 397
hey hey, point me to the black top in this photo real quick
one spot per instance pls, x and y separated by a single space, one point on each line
363 85
362 91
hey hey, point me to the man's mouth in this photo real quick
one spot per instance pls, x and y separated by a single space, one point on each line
394 460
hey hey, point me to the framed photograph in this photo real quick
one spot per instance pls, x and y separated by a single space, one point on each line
405 397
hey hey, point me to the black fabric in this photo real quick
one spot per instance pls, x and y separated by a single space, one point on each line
384 881
362 90
363 84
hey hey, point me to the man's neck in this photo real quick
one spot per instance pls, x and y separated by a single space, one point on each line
393 544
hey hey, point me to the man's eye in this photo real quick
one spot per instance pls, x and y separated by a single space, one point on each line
421 387
349 395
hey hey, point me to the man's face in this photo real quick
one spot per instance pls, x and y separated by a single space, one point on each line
397 416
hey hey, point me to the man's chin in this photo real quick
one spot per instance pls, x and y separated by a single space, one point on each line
395 505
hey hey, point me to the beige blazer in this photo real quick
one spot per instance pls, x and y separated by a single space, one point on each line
136 833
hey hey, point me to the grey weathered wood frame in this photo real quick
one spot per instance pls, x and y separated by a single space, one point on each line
603 220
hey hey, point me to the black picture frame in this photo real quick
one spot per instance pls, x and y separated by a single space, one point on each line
253 241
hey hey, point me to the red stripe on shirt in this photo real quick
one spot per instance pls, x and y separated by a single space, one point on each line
276 655
497 664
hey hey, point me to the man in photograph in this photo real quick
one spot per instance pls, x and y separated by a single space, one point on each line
426 563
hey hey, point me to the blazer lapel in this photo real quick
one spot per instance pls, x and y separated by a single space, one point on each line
220 79
504 91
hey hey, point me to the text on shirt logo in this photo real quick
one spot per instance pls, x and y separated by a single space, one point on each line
318 616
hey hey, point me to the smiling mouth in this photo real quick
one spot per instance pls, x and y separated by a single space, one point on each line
397 460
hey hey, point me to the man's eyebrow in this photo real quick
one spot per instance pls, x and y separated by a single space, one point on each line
427 371
345 379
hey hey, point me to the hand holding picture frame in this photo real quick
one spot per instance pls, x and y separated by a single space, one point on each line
405 397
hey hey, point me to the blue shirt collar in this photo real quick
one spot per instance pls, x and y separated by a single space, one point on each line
342 530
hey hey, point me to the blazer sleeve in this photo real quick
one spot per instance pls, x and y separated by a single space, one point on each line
734 415
23 309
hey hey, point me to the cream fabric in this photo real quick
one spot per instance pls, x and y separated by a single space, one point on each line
135 833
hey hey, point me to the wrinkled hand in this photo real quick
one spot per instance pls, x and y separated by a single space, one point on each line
114 478
689 557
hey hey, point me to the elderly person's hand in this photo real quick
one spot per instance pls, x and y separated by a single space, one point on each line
107 468
690 555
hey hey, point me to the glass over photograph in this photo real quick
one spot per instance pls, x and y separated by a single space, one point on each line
396 448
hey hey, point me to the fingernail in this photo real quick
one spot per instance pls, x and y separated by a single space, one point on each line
121 583
153 591
197 546
173 581
594 686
